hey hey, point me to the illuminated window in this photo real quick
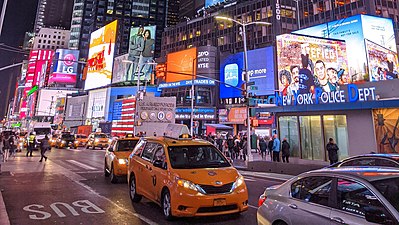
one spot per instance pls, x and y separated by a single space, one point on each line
191 35
184 37
198 33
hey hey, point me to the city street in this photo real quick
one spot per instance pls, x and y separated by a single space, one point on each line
70 188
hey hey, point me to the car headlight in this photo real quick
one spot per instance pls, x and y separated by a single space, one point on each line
20 144
63 142
109 140
190 185
122 161
96 140
238 182
76 142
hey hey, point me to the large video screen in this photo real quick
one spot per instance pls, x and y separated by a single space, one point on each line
141 53
181 65
305 63
119 74
354 30
101 56
209 3
260 70
382 62
65 67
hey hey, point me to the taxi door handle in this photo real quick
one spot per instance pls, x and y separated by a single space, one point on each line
338 220
148 167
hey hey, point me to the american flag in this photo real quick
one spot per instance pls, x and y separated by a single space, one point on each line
123 116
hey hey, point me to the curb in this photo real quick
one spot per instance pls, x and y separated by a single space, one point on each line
4 220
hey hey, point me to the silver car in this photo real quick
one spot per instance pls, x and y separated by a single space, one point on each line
350 195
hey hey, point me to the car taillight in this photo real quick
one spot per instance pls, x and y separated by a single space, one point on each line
262 199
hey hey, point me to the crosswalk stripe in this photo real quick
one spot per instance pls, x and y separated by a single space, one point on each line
81 165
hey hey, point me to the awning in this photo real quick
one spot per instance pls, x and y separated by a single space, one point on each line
219 126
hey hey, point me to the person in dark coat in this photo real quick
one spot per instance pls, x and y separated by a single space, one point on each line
332 150
285 147
270 147
44 146
230 146
262 147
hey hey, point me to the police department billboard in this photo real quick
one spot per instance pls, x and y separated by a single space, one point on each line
260 70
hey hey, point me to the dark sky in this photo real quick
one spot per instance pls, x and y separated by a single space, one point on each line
20 17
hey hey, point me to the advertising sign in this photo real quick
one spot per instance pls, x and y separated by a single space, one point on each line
101 56
354 30
119 74
97 104
47 101
141 53
209 3
260 70
382 62
180 65
199 113
65 67
386 125
305 63
202 82
206 61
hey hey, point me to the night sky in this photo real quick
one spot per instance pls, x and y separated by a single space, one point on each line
20 18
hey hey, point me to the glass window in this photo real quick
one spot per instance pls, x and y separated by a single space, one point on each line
126 145
312 189
312 147
148 151
289 129
370 162
335 127
139 148
354 197
389 188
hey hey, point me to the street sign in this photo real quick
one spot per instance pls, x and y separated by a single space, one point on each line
34 88
254 88
251 83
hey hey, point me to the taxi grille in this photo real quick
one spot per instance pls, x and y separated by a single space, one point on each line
210 189
217 209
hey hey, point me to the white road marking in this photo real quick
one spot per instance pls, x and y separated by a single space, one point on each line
81 165
94 171
74 150
249 179
251 206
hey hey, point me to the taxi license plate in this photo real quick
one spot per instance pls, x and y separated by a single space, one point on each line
219 202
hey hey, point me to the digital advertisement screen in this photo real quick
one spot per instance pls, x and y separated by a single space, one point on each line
260 70
47 103
209 3
65 66
305 63
101 56
180 65
354 30
382 62
119 74
141 53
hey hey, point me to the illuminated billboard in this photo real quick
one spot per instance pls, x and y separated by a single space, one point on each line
209 3
119 74
47 101
382 62
260 70
354 30
141 53
101 56
65 67
306 63
181 65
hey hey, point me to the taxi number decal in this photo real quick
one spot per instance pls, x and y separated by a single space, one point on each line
219 202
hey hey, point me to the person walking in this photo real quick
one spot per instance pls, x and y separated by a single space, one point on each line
6 147
230 146
31 144
12 145
270 147
263 148
44 146
276 149
332 150
285 149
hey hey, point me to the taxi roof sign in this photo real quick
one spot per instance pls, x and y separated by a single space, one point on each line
177 131
129 136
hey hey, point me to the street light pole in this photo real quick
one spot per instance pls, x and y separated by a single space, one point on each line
192 101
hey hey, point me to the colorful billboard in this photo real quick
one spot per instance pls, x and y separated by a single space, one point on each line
141 53
47 101
101 56
124 111
382 62
209 3
65 67
181 65
386 125
260 70
119 74
306 63
354 30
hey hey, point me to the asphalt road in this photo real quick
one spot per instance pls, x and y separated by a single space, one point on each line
70 188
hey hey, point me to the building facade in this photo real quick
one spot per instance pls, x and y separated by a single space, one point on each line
50 38
53 13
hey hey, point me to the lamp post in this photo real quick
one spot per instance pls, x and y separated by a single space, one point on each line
297 11
192 100
244 37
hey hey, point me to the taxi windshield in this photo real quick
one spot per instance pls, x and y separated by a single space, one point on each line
188 157
389 188
100 136
126 145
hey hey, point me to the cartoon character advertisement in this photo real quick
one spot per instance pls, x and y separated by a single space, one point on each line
386 125
382 62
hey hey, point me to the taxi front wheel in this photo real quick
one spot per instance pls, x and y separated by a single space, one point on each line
114 178
106 173
132 192
166 205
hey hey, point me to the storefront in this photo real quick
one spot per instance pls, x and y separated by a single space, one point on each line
202 116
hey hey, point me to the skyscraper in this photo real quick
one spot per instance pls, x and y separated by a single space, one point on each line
54 14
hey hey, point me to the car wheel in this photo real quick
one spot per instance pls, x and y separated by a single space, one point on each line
134 197
114 178
94 147
166 205
102 148
87 146
280 223
106 173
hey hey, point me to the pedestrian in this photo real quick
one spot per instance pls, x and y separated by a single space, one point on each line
31 143
285 149
230 146
44 146
237 147
276 149
262 147
270 147
6 147
12 145
243 148
332 150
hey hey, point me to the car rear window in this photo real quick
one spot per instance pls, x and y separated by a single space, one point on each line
126 145
389 188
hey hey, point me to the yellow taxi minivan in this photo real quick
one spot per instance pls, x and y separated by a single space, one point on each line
185 177
116 155
97 140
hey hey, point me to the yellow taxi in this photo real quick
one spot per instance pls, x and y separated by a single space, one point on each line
185 177
53 140
116 155
98 140
81 140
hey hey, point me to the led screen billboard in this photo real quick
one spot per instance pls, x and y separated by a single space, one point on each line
141 53
354 30
305 63
382 62
65 67
260 70
119 74
209 3
181 65
47 103
101 56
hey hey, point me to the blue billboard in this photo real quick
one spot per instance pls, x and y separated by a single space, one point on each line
260 70
354 30
209 3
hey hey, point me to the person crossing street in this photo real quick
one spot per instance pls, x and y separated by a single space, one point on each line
31 144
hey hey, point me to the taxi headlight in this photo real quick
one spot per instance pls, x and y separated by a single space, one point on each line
190 185
76 142
96 140
20 144
238 182
63 142
109 140
122 161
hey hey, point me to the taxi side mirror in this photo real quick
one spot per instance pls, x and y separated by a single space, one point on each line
159 164
110 149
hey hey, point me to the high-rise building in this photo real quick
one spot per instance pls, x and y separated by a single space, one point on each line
48 38
173 12
89 15
54 14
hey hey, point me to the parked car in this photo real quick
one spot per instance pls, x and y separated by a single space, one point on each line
98 140
350 195
386 160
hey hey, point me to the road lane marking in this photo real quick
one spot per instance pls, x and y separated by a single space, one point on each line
94 171
81 165
251 206
249 179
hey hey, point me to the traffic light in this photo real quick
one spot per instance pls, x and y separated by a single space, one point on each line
243 89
